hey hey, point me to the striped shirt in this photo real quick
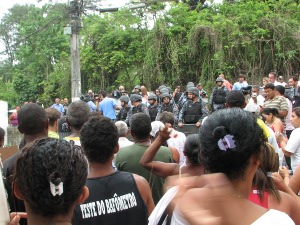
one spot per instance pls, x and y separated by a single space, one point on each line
278 102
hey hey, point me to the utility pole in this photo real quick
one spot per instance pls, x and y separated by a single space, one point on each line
75 55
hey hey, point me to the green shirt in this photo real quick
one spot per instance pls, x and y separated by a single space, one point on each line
128 160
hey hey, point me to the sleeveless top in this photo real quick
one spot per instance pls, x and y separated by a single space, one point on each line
113 200
254 197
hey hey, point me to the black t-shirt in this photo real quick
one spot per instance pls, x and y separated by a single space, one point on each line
113 200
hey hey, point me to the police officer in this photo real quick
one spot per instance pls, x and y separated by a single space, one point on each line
153 106
136 106
168 106
183 97
193 110
124 108
218 96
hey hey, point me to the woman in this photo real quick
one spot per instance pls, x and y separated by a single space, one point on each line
13 118
57 171
232 149
144 95
291 147
191 151
265 192
272 118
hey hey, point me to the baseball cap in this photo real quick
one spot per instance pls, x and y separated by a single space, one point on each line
235 96
280 78
155 127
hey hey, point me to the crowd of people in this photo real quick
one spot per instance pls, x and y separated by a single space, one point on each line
111 164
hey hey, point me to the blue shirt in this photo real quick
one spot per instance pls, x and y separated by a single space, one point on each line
107 108
58 107
238 86
92 106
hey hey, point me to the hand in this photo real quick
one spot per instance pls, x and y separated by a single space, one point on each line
180 124
279 182
279 137
164 132
283 172
198 124
15 217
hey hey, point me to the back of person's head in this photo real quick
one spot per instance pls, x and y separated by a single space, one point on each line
78 113
103 93
122 128
99 138
44 166
269 163
297 111
280 89
140 126
53 115
229 138
167 117
192 149
235 99
269 86
269 111
32 119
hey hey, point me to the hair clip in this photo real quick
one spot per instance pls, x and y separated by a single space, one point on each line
227 142
269 174
57 189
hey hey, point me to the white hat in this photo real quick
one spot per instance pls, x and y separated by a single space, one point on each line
156 125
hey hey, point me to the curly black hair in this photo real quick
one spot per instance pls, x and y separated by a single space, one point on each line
140 126
32 119
99 136
247 136
50 160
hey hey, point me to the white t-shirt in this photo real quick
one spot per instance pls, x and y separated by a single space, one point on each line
178 143
293 146
124 142
274 217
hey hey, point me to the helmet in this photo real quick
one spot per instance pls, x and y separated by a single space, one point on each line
137 87
163 95
219 79
135 98
189 84
164 90
193 90
152 97
124 98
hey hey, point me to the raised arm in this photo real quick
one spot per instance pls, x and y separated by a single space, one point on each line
159 168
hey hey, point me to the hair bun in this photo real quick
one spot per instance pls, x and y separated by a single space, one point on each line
55 178
219 132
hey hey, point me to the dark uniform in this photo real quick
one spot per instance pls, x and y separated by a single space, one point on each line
136 109
153 107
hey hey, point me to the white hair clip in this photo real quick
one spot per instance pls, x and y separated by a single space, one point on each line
227 142
57 189
269 174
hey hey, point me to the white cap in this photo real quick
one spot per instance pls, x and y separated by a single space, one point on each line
156 125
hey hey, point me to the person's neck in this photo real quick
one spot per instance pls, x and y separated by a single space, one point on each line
53 129
145 141
100 169
56 220
242 187
30 138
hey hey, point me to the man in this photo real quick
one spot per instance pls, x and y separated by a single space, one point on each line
123 132
33 124
176 94
136 90
218 96
53 118
128 158
124 108
256 101
167 106
293 83
183 97
115 197
153 106
226 83
202 92
78 113
272 78
66 104
193 110
59 107
274 101
178 141
136 106
242 83
108 106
